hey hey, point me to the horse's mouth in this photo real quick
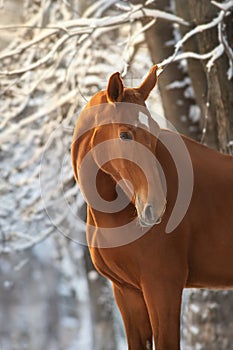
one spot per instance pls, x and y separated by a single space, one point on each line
144 223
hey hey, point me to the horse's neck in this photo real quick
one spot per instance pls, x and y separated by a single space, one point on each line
108 191
210 164
106 186
212 170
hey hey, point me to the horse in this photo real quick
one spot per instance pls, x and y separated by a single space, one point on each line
125 166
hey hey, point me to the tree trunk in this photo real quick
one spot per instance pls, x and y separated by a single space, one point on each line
220 88
175 88
197 74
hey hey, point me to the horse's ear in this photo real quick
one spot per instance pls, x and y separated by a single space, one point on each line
148 83
115 89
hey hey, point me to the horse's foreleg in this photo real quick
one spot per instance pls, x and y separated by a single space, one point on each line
135 317
164 304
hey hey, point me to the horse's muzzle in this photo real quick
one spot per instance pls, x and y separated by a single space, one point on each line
148 217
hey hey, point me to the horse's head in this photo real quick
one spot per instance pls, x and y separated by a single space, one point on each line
117 130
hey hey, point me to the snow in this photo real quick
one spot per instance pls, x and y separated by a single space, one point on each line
8 285
225 6
179 84
194 330
216 53
195 308
230 71
189 93
194 113
169 43
92 275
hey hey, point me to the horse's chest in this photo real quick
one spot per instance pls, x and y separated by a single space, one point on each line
116 265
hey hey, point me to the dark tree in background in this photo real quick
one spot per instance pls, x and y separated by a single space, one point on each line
215 85
197 86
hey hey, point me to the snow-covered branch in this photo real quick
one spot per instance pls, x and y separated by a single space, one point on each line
214 54
226 6
78 28
211 55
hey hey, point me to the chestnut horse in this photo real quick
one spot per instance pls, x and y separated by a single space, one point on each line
124 165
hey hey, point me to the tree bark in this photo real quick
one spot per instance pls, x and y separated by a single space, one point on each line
178 99
220 88
197 74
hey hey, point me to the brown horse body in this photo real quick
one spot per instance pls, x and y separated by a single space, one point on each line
150 272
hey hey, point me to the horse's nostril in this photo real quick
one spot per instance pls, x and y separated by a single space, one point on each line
149 212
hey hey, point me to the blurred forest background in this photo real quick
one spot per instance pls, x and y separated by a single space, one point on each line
54 55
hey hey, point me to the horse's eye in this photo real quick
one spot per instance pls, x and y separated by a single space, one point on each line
125 136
